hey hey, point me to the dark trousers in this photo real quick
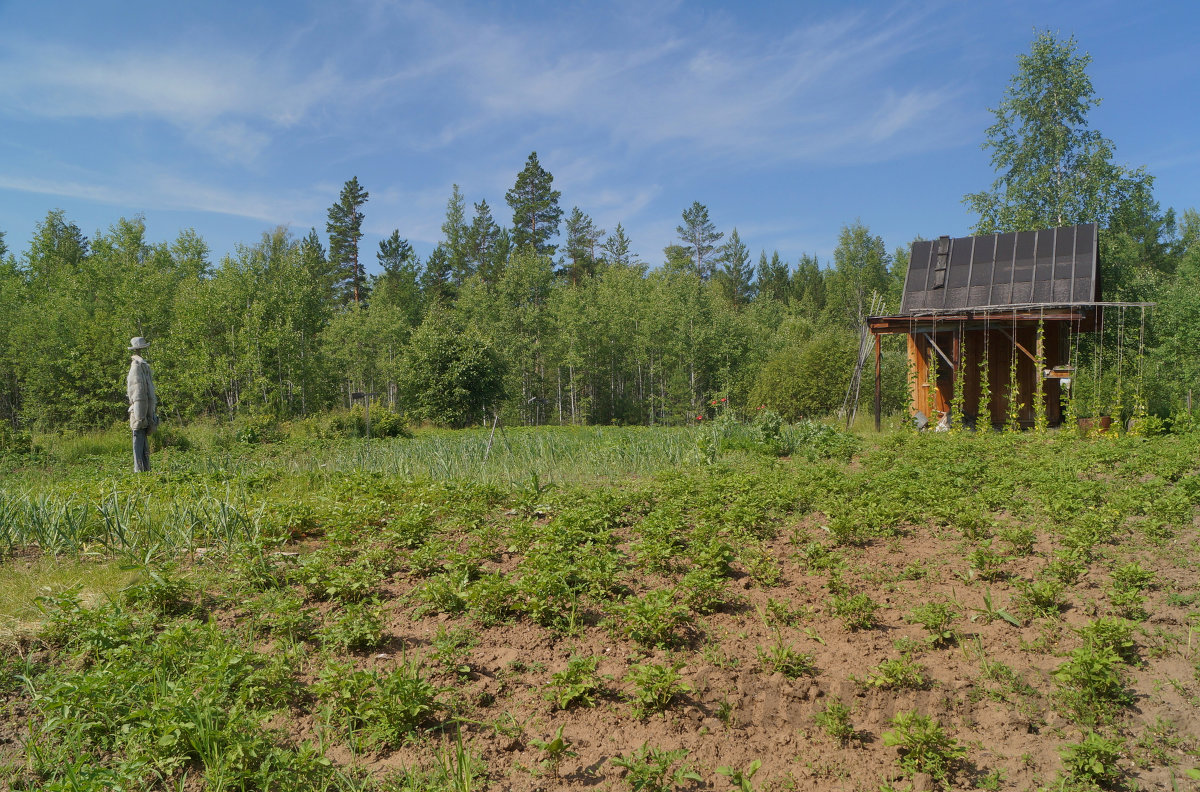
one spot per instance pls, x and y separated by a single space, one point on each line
141 451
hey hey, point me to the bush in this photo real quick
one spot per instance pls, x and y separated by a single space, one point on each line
1094 760
806 380
924 747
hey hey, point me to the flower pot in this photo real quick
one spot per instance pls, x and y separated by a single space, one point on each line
1103 423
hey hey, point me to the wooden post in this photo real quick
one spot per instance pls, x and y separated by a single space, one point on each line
878 384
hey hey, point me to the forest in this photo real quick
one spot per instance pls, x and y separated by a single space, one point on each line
550 319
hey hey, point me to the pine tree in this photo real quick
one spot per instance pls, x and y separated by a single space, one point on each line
583 238
616 249
773 278
536 212
808 283
435 279
736 271
700 238
398 284
456 238
345 230
487 244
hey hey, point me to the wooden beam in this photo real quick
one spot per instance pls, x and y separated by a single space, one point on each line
878 384
932 343
1028 354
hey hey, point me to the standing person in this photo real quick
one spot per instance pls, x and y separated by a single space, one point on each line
143 404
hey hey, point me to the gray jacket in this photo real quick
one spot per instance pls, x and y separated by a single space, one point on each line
143 402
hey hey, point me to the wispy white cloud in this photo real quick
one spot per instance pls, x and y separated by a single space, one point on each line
820 91
223 100
176 193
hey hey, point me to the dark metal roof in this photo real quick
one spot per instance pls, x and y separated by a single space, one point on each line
1053 266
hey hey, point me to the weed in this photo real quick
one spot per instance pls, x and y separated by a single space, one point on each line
655 687
452 650
1091 684
857 611
444 593
817 557
1132 577
654 770
387 709
325 578
779 613
359 627
281 613
1112 634
835 720
986 563
555 749
1129 603
490 599
936 618
897 673
784 658
990 612
163 592
1093 760
1041 597
762 567
741 779
576 685
924 747
703 590
653 619
1020 541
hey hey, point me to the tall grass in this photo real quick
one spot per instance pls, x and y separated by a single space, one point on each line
126 523
563 454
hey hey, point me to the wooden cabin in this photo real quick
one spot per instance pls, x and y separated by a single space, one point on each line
971 296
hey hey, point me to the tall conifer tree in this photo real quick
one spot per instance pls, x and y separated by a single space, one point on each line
345 231
536 212
700 238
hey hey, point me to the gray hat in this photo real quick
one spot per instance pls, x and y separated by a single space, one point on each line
138 343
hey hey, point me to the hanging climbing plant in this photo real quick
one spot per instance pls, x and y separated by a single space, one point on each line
985 381
958 400
1039 388
1014 393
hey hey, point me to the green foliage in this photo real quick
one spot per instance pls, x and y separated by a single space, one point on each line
654 619
835 720
1053 170
576 685
857 611
555 749
1091 684
741 778
924 747
806 380
1095 759
897 674
936 618
1041 597
455 373
385 708
651 769
784 658
358 627
1111 634
655 687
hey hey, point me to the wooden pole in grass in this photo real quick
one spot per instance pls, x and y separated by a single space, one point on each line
878 384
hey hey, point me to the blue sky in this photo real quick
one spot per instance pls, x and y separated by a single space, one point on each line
787 119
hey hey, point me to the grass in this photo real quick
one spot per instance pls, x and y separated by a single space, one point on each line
23 582
364 589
